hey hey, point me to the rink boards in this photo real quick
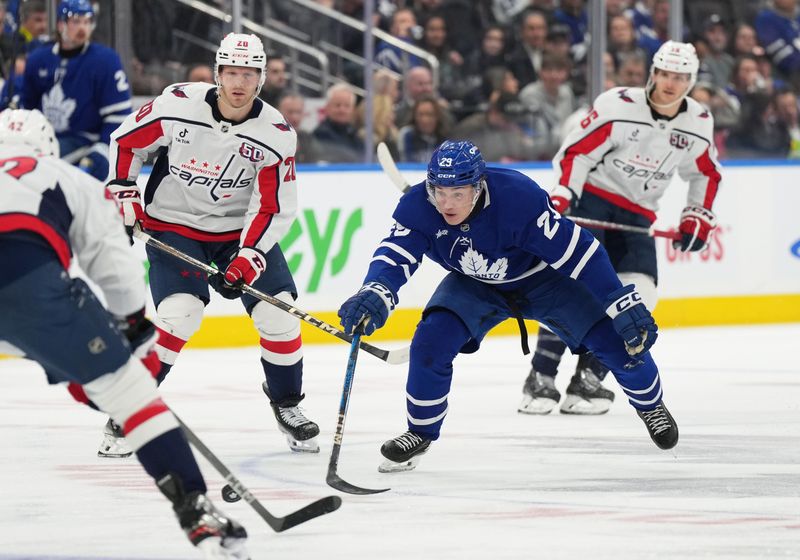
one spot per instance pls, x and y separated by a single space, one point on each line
750 273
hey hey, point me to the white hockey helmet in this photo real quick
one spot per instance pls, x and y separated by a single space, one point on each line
241 49
674 56
28 127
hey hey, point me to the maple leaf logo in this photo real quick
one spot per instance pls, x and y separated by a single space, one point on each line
474 264
57 108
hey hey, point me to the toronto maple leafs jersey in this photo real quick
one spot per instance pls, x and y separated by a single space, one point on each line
515 234
213 180
85 96
624 153
69 210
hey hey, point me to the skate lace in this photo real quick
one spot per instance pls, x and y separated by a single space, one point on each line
408 440
656 420
293 416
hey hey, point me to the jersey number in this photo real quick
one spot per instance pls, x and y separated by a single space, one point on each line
122 80
550 228
18 166
290 174
589 118
144 110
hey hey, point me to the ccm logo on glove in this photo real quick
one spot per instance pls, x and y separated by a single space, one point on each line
248 265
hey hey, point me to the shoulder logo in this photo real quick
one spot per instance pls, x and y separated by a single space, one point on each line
253 153
177 91
623 94
440 233
284 126
704 114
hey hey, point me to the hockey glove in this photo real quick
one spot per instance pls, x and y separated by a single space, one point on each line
142 336
248 265
696 223
564 199
631 320
372 304
95 163
127 196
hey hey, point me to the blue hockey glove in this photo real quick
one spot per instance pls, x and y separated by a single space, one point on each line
373 301
95 163
632 320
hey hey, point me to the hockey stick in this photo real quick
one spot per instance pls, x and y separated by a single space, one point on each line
278 524
394 357
390 168
333 479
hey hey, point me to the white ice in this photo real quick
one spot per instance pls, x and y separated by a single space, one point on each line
497 485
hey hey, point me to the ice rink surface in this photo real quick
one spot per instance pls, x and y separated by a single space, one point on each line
497 485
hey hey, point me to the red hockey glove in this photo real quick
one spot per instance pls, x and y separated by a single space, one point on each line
127 196
563 199
248 265
696 223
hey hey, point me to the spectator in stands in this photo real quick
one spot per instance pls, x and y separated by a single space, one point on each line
746 78
723 107
451 64
275 81
418 83
550 101
403 27
496 132
200 73
292 107
716 65
336 136
759 134
653 28
622 40
778 30
745 41
788 115
572 13
616 8
490 55
33 28
632 70
384 128
12 88
526 59
417 140
558 45
385 82
465 16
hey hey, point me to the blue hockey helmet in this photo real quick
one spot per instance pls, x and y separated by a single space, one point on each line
71 8
456 164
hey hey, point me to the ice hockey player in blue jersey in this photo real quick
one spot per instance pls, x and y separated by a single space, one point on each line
51 214
80 87
510 254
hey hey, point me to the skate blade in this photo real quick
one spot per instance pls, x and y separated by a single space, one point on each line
114 448
302 446
392 467
574 404
213 549
536 405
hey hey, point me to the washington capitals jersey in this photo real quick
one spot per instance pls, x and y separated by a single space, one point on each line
515 234
623 153
213 180
85 95
68 209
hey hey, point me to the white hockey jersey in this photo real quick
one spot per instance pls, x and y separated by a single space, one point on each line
623 153
71 212
213 180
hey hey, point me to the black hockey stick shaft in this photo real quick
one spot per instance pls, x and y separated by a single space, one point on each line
393 357
333 479
390 168
278 524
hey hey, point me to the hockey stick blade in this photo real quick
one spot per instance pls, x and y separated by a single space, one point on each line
333 479
393 357
278 524
390 168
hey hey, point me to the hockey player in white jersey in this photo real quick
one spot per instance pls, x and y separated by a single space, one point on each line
51 214
615 167
222 190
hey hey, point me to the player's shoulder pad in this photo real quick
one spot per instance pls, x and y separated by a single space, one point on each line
98 51
414 208
699 118
620 102
512 187
186 90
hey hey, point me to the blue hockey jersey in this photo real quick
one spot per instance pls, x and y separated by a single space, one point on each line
781 38
515 234
85 96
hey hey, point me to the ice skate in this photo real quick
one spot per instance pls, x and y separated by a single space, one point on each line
660 425
404 452
114 445
208 529
539 394
586 395
300 432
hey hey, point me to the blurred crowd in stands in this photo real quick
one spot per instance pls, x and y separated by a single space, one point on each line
512 73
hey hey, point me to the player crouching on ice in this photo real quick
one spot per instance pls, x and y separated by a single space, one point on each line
510 255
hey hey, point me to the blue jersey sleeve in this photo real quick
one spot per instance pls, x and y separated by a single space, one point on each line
113 95
31 94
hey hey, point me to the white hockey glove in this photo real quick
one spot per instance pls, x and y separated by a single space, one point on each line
248 265
563 199
129 200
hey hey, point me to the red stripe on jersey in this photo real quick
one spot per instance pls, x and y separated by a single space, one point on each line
191 233
706 166
585 145
620 201
143 415
282 347
139 138
169 341
28 222
268 181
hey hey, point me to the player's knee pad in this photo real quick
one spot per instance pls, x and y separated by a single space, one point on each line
645 285
274 323
439 337
180 315
130 397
